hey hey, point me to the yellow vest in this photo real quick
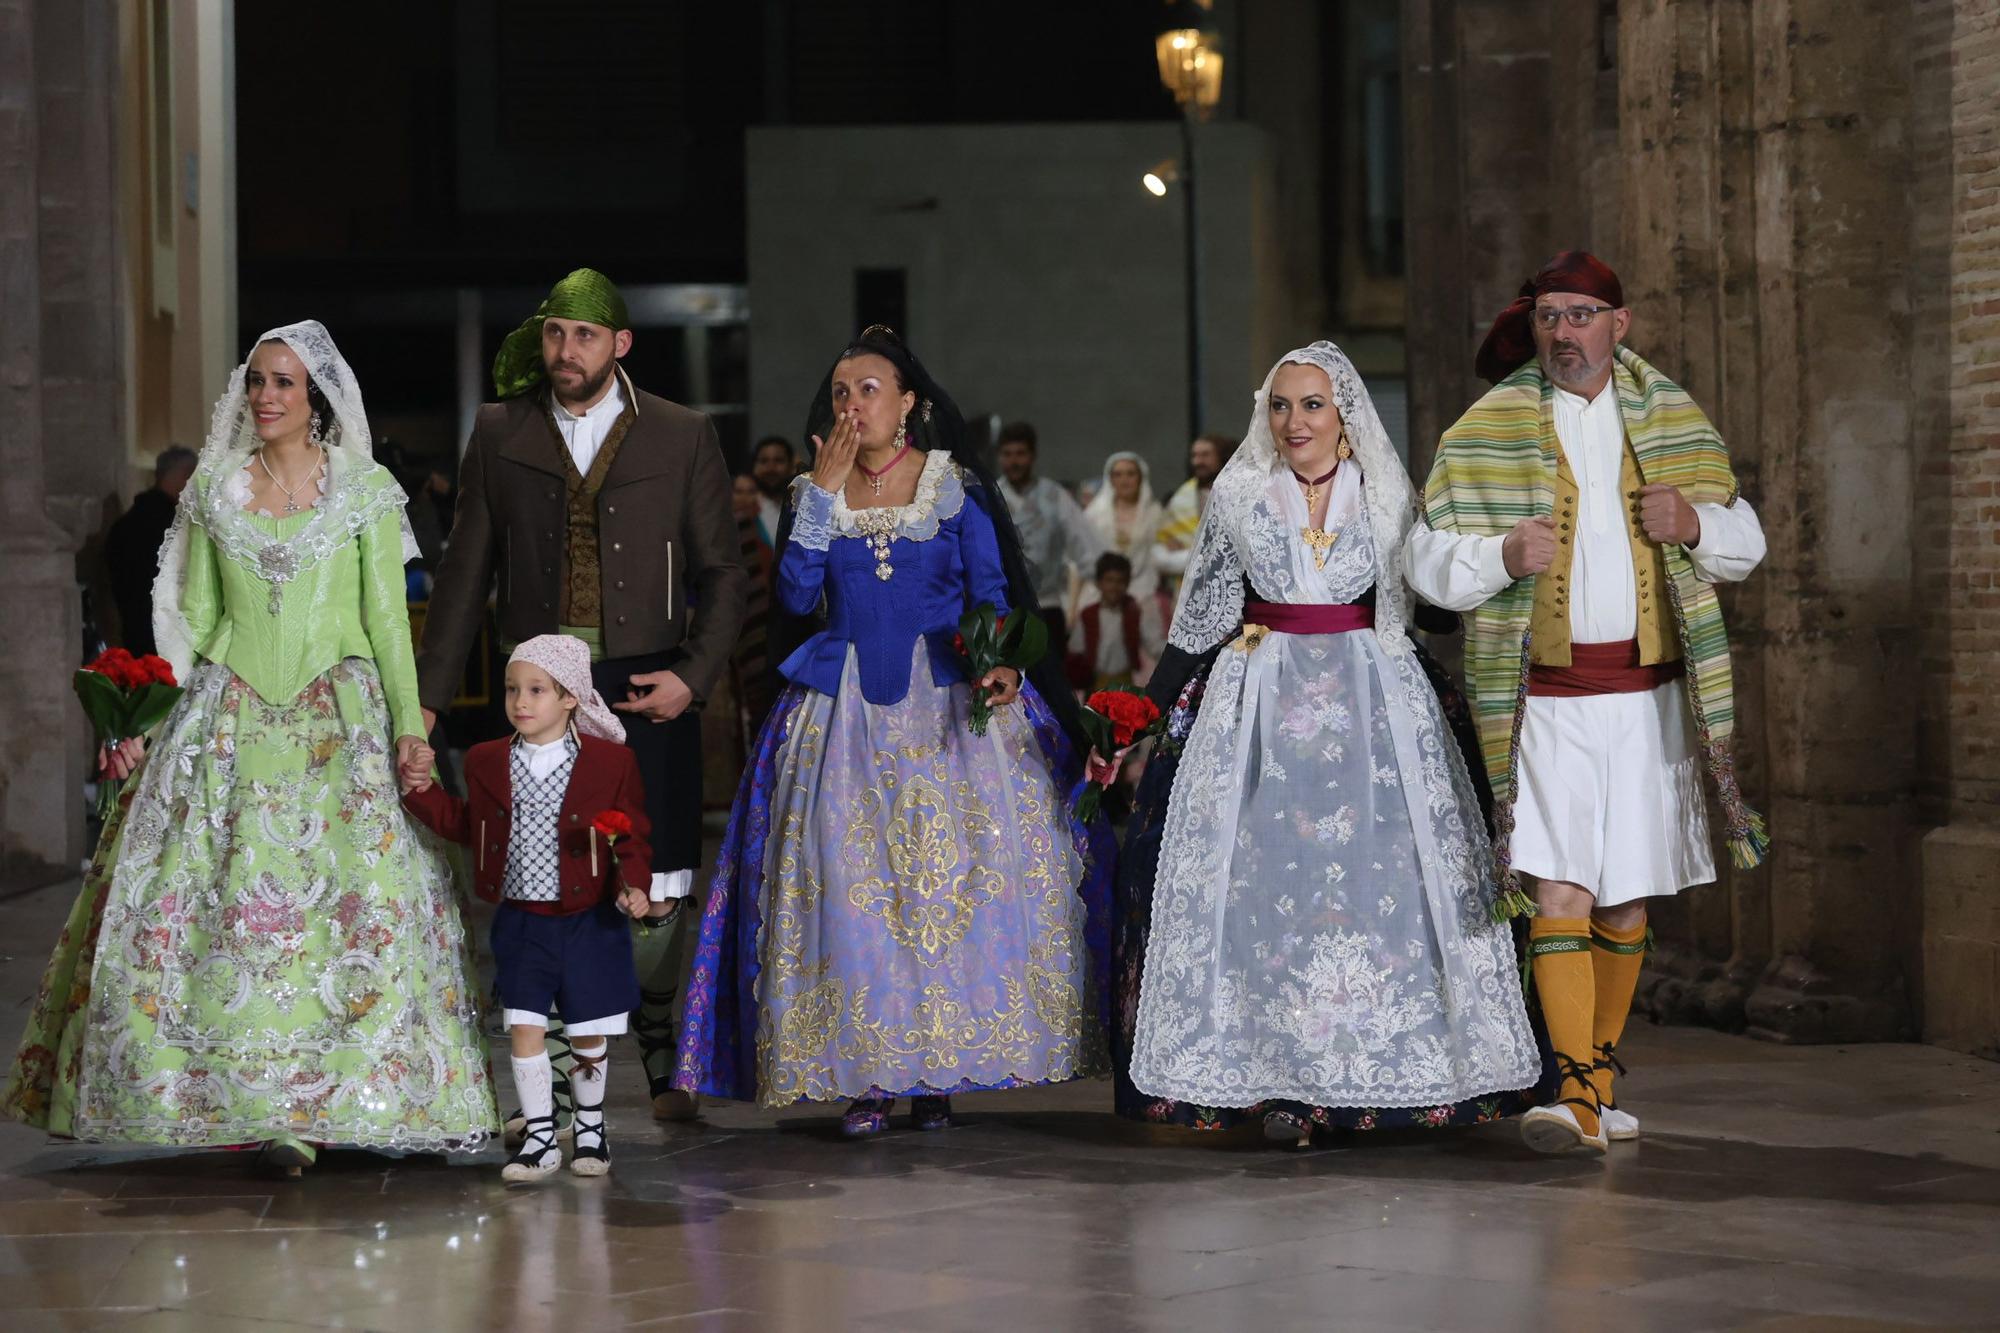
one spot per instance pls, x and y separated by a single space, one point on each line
1550 626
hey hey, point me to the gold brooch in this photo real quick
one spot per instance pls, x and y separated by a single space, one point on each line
1321 542
1252 635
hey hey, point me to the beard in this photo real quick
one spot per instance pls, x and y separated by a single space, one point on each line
591 386
1571 371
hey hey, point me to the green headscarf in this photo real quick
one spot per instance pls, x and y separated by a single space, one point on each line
585 294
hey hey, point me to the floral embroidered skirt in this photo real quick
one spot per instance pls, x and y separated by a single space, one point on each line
265 945
1137 871
900 906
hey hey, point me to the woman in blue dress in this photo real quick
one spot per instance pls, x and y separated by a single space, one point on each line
901 907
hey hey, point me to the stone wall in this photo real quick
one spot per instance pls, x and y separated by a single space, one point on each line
1801 198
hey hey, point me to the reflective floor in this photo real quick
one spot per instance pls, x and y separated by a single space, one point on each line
1776 1188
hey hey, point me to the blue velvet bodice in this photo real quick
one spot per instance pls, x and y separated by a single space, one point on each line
943 559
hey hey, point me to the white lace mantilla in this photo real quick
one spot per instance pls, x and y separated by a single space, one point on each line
352 497
819 516
1241 532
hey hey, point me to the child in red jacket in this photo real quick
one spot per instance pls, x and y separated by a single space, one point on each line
556 818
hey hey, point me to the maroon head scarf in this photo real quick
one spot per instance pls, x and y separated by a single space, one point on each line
1510 343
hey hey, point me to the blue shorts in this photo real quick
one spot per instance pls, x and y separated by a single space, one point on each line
579 965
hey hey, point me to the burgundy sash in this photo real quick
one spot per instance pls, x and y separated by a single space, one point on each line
1285 618
1601 668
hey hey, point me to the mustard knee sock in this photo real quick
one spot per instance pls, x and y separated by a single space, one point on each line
1616 956
1559 954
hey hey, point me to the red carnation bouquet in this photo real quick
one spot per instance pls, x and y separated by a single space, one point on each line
987 640
124 697
1115 720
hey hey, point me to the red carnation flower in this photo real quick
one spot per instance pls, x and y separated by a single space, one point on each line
157 670
119 666
612 824
1129 714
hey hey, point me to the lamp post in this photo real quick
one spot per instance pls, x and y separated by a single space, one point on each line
1190 55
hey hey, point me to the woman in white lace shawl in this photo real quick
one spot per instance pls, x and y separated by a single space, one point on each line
1125 515
266 949
1321 949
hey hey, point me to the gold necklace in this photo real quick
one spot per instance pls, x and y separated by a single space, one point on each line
1318 540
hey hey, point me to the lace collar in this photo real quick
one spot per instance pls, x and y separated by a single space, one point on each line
940 495
354 493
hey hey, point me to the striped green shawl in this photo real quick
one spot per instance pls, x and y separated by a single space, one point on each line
1497 466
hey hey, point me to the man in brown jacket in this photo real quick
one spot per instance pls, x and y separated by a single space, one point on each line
605 511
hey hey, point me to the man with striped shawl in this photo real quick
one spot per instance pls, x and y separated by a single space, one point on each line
1581 512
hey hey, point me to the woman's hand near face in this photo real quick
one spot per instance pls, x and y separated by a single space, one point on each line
834 458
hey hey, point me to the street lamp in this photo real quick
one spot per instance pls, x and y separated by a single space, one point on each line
1190 55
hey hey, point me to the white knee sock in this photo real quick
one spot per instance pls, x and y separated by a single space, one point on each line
534 1085
588 1080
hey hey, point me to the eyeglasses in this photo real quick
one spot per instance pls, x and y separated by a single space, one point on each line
1579 316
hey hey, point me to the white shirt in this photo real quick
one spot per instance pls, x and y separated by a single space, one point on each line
768 513
1111 659
586 434
1604 587
543 760
1054 535
1458 572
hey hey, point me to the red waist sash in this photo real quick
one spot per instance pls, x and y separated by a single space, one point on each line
1600 668
1285 618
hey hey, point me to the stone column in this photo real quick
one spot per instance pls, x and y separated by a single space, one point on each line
1959 512
37 601
1765 208
61 405
1477 199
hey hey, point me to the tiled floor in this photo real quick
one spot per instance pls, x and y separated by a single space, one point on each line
1777 1188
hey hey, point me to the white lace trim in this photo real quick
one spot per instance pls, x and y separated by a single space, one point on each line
350 505
812 515
939 496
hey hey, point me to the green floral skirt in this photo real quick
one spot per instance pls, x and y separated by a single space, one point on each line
265 945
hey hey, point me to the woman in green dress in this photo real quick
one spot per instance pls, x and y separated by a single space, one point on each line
266 950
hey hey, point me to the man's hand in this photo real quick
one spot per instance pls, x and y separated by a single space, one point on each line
1666 516
659 696
657 913
1530 548
633 901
